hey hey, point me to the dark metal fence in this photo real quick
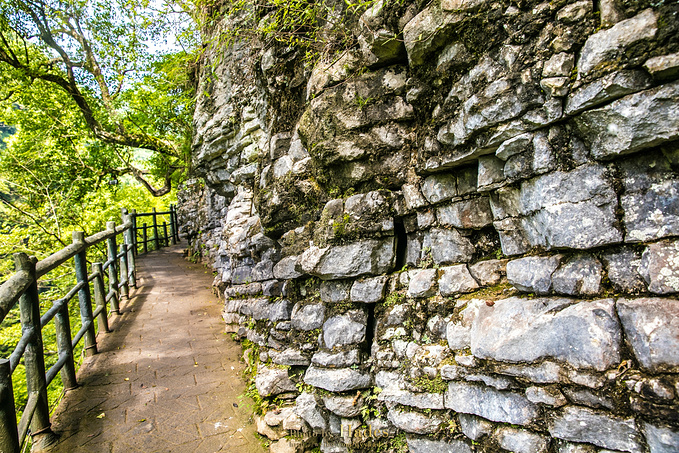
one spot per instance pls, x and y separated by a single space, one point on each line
108 283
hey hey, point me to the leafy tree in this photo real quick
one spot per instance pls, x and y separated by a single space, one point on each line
96 57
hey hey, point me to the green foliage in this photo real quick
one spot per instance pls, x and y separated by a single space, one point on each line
88 78
436 385
394 298
312 26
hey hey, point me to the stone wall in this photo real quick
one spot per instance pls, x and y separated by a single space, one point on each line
462 234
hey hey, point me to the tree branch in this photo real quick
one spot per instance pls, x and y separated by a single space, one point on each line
33 219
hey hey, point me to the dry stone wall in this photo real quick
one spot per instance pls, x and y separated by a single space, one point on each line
461 234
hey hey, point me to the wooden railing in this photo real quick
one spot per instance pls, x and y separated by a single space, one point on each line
144 240
108 283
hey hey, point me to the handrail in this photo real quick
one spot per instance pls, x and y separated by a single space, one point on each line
22 287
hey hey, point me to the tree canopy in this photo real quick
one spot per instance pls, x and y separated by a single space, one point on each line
93 76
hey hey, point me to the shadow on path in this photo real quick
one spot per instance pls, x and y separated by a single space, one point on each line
167 379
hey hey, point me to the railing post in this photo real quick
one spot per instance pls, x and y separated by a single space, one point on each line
129 236
34 360
125 285
166 238
155 229
146 239
173 225
100 296
62 323
133 217
84 295
9 435
112 270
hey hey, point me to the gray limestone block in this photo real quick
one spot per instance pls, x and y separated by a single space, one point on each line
638 121
436 327
307 317
273 381
521 440
437 188
584 335
575 225
491 404
338 379
574 209
579 275
404 397
262 271
290 356
366 257
498 382
449 246
258 309
544 158
437 446
272 288
490 174
505 202
340 359
468 214
335 291
423 33
425 219
429 355
608 44
660 267
285 269
661 439
243 290
367 206
452 372
412 197
344 406
663 67
546 372
550 396
345 329
519 166
422 283
533 274
474 427
280 310
559 65
575 12
586 397
623 270
458 332
490 272
456 280
651 327
308 408
653 213
579 424
514 238
513 146
368 290
414 422
606 89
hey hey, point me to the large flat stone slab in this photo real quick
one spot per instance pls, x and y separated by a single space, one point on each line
585 335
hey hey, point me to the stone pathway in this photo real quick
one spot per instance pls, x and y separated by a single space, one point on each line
168 378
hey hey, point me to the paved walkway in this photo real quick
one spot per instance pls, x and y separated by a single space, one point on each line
167 379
